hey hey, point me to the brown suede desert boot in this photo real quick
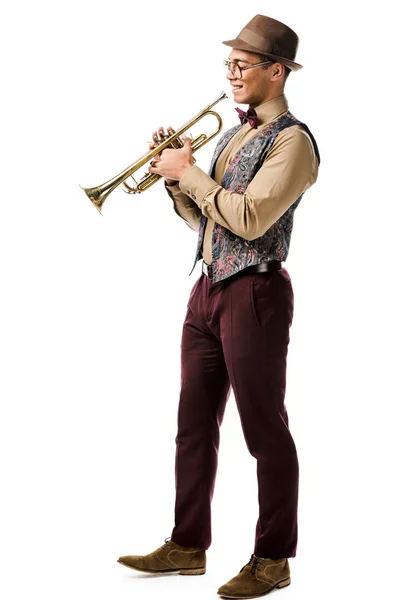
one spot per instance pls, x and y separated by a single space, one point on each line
169 558
257 578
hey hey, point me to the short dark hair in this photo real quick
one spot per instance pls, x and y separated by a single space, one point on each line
287 69
275 50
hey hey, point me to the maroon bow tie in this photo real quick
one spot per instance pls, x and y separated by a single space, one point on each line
249 116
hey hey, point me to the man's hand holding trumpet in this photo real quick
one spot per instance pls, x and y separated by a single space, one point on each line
171 163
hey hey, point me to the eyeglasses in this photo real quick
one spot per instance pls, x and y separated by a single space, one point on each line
237 71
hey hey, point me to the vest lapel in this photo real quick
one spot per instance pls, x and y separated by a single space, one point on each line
220 147
203 220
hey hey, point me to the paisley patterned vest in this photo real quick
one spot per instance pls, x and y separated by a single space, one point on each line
230 252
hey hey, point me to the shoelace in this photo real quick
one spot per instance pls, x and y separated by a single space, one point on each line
160 549
253 562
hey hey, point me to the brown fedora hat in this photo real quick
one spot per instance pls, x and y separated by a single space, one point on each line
267 36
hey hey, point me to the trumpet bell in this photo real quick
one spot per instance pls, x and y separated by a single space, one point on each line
94 195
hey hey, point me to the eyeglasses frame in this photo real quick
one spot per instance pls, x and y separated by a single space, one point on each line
227 64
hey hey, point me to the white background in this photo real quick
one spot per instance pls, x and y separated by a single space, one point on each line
92 308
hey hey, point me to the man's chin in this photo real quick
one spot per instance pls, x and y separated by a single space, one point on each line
240 98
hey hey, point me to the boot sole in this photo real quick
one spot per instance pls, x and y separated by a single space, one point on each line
197 571
281 584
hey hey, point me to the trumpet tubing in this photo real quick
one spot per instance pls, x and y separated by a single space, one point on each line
98 194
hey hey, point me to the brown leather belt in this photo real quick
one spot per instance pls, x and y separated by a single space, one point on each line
271 265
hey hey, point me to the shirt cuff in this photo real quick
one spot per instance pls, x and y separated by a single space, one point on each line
172 185
196 184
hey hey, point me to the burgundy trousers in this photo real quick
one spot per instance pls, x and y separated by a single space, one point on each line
235 336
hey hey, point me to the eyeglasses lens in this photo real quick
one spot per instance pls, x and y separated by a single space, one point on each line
233 68
236 71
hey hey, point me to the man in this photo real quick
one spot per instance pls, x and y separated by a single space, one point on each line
236 330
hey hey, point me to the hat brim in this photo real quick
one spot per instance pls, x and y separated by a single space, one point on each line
241 45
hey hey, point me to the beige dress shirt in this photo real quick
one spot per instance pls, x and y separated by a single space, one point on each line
290 168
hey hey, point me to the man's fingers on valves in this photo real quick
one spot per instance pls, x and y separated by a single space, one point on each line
157 139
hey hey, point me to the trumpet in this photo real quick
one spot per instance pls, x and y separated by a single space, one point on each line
97 195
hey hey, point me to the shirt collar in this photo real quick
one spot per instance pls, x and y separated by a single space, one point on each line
269 111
